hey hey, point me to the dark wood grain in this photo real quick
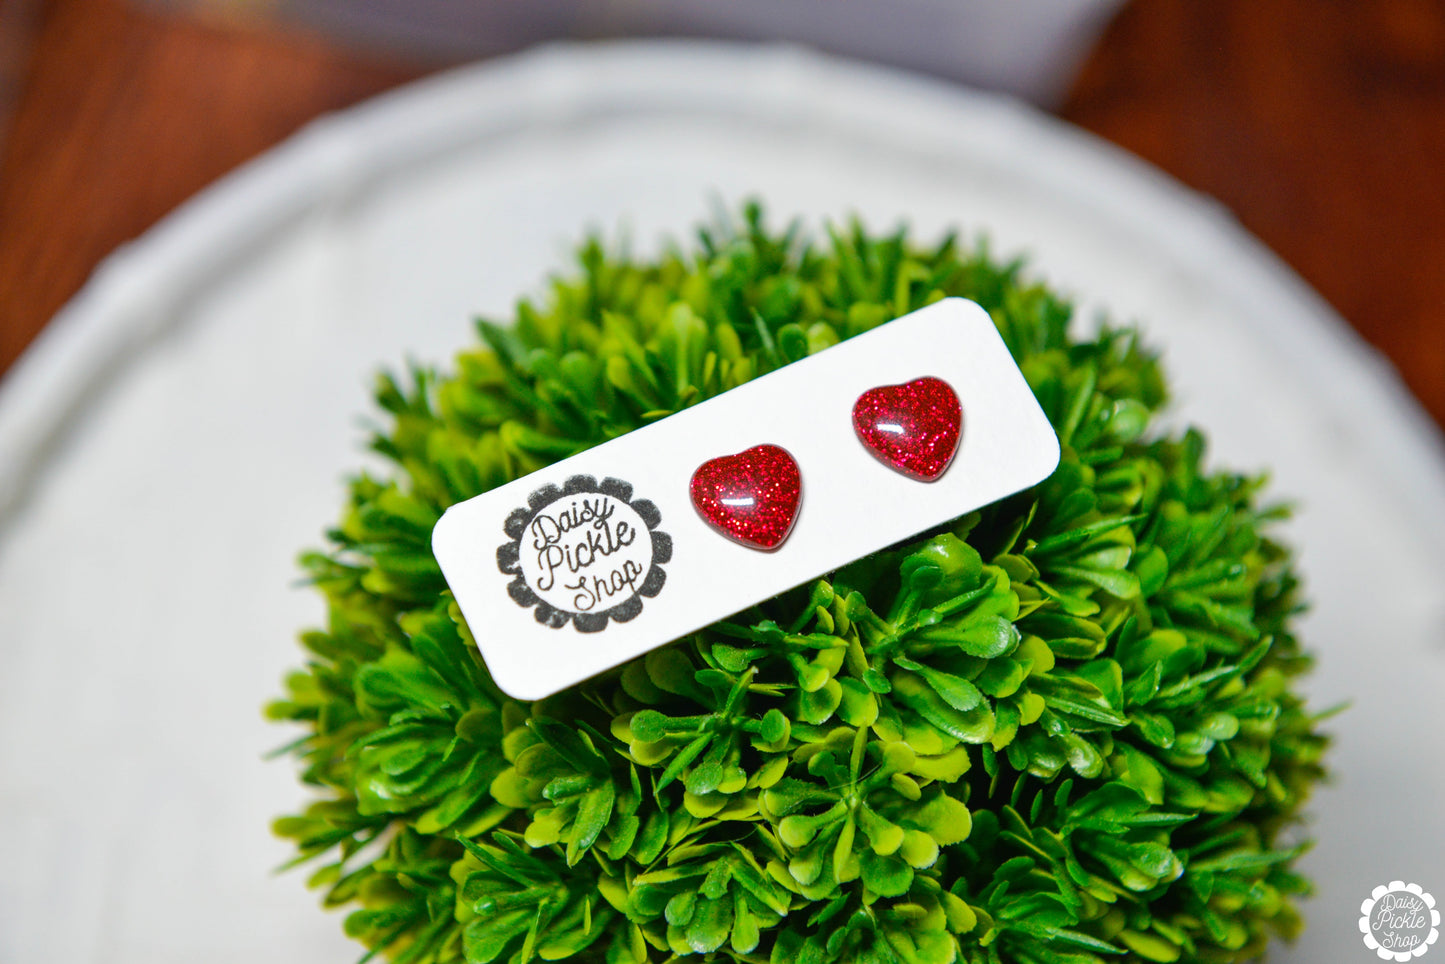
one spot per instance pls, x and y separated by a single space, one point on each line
124 114
1321 123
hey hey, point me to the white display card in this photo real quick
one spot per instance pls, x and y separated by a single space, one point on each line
602 557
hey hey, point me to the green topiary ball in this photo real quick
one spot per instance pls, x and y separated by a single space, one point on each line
1058 730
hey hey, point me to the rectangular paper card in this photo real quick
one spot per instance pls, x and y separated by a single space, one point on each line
602 557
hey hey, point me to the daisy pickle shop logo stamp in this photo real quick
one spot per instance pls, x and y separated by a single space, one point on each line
1399 921
586 552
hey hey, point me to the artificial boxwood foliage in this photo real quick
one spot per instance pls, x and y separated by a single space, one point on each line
1058 730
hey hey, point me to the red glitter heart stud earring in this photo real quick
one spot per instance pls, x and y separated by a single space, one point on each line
751 497
912 428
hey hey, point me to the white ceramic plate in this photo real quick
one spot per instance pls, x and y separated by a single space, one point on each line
183 428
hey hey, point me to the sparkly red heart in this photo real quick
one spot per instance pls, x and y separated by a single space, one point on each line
912 427
751 497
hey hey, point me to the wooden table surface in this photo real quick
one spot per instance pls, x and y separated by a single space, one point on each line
1320 123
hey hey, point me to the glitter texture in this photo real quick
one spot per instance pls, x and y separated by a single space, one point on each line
913 428
751 497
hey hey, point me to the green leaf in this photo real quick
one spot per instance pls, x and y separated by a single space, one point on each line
710 926
1119 583
1152 568
973 726
1151 947
886 876
957 692
943 818
592 816
989 637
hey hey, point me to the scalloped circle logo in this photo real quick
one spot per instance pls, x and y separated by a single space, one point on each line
584 552
1399 921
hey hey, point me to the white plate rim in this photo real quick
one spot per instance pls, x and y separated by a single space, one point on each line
128 300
